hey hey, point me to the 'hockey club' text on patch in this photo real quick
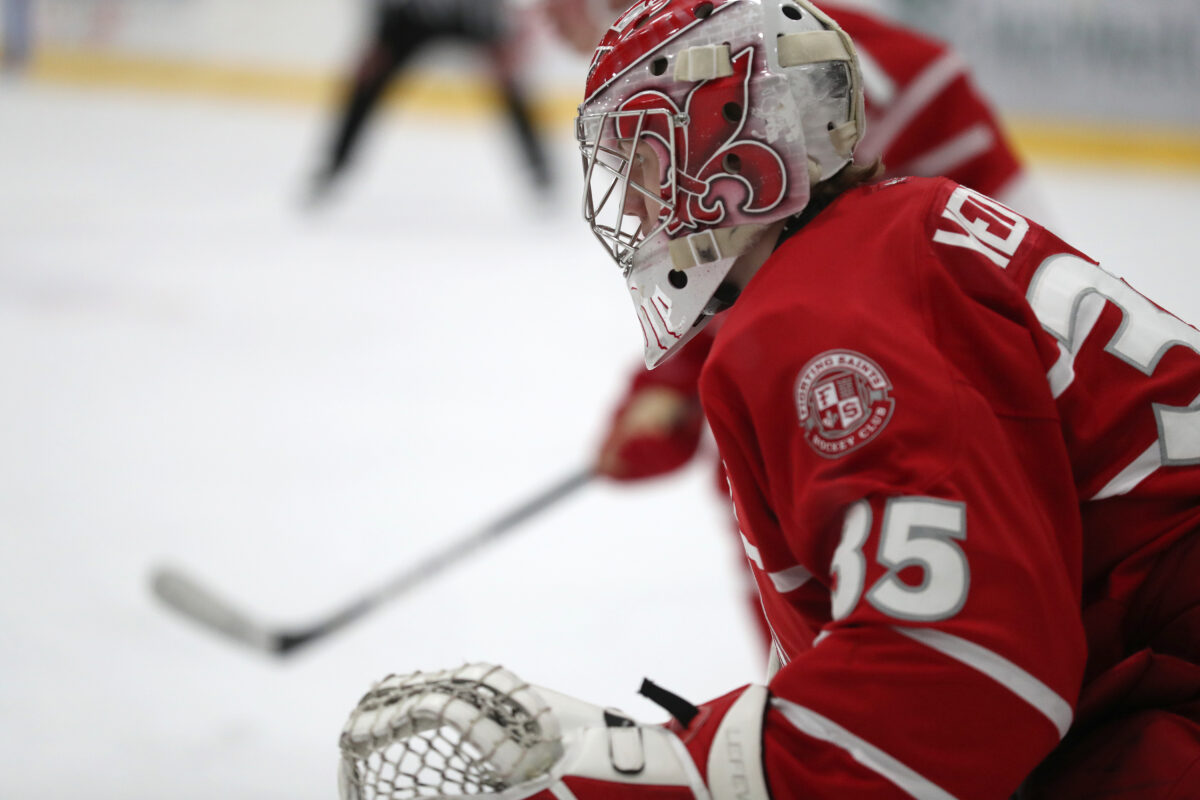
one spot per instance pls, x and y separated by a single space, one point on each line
844 400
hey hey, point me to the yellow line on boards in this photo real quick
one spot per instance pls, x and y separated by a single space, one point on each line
1037 139
1108 143
422 93
91 69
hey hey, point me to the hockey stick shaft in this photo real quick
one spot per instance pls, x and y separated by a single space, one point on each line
438 561
189 598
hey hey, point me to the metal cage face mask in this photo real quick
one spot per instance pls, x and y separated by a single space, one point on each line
630 192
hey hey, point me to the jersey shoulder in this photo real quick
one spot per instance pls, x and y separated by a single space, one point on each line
830 358
855 247
850 274
868 268
968 228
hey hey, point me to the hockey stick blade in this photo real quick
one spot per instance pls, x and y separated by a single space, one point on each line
193 601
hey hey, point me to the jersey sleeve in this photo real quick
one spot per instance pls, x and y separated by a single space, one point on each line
949 651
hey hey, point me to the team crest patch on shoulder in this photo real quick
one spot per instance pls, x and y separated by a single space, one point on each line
844 400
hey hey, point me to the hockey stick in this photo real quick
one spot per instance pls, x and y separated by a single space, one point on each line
192 600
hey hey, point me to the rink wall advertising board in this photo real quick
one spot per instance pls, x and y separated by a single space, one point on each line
1076 61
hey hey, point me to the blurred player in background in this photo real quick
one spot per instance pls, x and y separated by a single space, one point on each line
16 47
965 458
924 117
402 28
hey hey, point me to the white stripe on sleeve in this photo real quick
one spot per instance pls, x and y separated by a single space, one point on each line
953 153
813 724
787 580
1001 670
752 552
1134 473
912 101
784 580
877 84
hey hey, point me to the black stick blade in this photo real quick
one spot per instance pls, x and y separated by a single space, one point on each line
191 600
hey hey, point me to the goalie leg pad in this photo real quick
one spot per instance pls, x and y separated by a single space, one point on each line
735 759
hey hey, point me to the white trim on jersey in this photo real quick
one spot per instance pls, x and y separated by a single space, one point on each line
752 552
914 99
1004 672
877 84
1134 473
1178 438
784 580
561 791
787 580
952 154
813 724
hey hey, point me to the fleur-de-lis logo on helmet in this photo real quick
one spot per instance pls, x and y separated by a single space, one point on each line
714 167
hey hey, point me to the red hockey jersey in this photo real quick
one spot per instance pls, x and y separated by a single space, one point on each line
956 448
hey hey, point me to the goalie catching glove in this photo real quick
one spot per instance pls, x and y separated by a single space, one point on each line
480 730
656 427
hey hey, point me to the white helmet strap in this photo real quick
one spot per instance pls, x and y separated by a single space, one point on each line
703 63
810 47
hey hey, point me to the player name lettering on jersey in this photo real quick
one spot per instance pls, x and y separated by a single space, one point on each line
983 225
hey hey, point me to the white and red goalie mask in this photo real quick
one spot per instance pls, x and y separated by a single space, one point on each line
703 122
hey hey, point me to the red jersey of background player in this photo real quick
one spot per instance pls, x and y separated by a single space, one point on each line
924 117
959 426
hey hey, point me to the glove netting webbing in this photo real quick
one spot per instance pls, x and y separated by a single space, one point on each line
422 754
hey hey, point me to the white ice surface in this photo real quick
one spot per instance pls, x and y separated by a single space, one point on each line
295 405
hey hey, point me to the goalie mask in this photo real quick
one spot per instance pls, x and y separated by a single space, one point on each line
704 122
